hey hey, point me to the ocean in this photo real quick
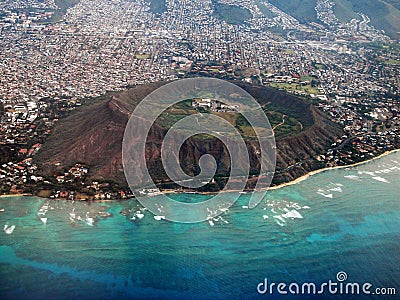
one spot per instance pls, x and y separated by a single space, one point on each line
344 221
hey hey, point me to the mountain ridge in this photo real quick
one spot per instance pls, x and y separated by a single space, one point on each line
384 14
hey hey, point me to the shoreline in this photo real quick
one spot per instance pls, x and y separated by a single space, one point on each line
293 182
306 176
16 195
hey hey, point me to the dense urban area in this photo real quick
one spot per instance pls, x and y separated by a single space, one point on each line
56 58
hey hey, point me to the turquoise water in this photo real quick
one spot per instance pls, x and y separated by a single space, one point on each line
346 220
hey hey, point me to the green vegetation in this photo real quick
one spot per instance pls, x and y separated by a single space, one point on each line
158 7
232 14
142 56
307 78
175 113
275 118
303 10
295 87
394 62
283 125
395 3
183 109
65 4
282 119
62 5
343 11
391 62
386 48
320 66
298 115
266 12
384 14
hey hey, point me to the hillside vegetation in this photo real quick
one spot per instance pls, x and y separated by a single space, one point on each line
302 10
158 7
384 14
232 14
65 4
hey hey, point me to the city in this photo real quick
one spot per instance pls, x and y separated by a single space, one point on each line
49 68
199 149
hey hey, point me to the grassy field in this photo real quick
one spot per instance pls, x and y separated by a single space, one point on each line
295 87
284 126
142 56
306 78
392 62
320 66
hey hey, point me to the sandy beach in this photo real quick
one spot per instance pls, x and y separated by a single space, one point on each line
293 182
14 195
300 179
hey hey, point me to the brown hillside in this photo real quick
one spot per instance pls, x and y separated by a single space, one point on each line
93 135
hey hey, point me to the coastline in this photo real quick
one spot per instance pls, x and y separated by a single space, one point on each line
293 182
15 195
306 176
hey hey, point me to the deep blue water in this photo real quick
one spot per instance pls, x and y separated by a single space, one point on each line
350 222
